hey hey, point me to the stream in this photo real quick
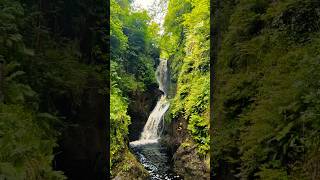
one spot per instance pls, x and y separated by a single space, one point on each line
155 160
148 150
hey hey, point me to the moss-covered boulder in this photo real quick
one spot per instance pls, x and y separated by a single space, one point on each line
129 168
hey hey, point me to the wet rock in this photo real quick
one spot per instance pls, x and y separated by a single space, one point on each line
174 134
188 163
129 168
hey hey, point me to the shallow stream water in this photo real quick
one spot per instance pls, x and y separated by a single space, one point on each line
155 159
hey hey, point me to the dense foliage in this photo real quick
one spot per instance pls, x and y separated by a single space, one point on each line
48 55
266 105
185 43
25 147
133 56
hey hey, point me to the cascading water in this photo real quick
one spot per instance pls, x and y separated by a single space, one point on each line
153 129
150 153
162 76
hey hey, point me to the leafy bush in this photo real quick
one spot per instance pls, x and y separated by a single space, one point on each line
25 147
186 45
263 77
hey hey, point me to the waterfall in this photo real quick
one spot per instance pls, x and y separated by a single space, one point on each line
163 76
153 128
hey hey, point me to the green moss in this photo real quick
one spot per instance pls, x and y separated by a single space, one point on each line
129 167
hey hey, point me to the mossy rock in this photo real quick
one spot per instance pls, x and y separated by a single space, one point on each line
129 168
189 164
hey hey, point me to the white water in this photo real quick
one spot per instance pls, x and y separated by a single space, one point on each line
162 76
153 128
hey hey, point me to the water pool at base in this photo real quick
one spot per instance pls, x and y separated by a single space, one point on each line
154 158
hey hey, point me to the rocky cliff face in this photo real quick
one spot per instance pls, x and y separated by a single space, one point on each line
174 134
187 163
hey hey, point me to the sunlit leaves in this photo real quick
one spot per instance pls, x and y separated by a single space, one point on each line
119 121
134 50
187 30
118 39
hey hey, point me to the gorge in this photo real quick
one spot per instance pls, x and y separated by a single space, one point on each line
160 91
148 150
